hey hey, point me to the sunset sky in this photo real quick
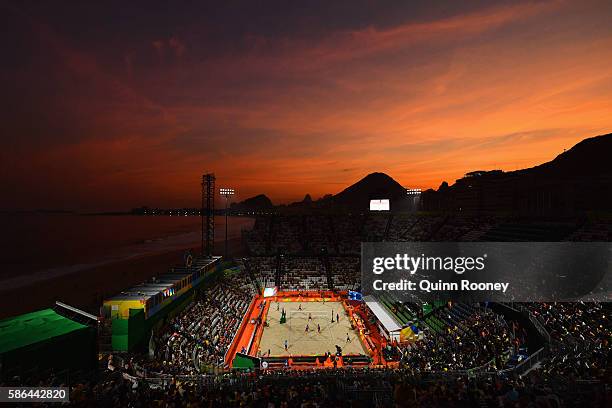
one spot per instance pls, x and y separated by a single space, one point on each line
112 106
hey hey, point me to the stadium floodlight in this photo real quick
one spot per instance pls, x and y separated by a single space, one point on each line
227 193
413 191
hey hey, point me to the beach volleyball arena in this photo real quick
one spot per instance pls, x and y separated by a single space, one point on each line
303 329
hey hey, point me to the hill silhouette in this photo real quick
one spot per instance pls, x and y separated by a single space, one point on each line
258 203
576 181
588 158
371 187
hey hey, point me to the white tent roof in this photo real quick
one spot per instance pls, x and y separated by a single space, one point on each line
388 322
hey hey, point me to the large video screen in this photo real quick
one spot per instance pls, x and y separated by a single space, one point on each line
379 205
269 292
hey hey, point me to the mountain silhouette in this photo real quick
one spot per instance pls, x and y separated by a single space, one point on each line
371 187
258 203
577 181
588 158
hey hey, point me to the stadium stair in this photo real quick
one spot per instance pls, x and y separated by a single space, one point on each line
396 309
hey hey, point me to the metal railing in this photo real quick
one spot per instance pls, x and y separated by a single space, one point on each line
533 319
524 365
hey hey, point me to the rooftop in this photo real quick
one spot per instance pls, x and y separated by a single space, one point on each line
31 328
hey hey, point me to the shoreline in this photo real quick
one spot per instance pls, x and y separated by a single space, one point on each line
87 288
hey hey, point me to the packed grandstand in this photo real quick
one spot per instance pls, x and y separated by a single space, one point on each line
459 354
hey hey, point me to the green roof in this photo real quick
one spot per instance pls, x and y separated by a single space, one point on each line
31 328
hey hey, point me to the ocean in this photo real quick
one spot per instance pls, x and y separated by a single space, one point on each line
41 246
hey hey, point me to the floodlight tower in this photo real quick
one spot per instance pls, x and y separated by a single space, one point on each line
208 214
227 193
415 196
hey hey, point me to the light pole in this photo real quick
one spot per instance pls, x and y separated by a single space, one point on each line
227 193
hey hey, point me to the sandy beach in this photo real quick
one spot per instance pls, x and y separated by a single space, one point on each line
87 288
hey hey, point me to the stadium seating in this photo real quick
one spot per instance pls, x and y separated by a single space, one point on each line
200 335
527 231
464 358
581 335
461 337
593 230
